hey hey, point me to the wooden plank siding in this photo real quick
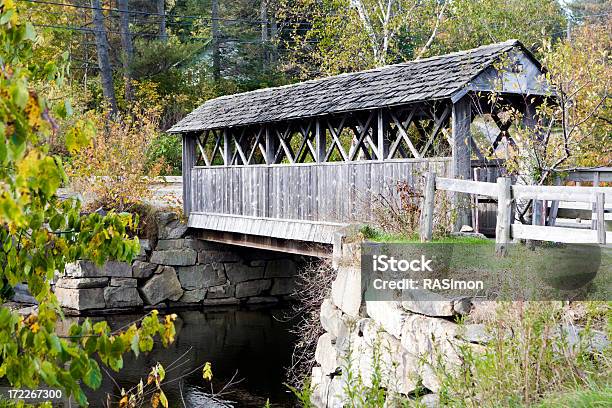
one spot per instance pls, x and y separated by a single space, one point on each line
309 195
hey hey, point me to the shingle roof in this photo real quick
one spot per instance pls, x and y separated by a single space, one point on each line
426 79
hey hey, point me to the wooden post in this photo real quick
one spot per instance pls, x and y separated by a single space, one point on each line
461 161
227 150
427 211
383 140
600 201
270 145
320 141
504 212
595 184
188 161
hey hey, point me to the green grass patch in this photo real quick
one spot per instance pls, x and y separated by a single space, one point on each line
375 235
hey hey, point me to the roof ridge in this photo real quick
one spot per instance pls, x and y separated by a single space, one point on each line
507 43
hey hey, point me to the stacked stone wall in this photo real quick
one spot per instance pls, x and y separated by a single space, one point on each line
406 339
178 270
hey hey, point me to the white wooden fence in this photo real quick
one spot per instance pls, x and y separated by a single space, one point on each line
507 196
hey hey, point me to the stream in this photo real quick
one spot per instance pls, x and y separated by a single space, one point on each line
248 346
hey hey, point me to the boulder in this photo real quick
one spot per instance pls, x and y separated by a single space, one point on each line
81 283
193 296
82 269
331 318
116 269
161 286
169 226
347 291
475 333
389 314
326 354
427 303
221 291
143 270
256 300
240 272
220 302
215 255
279 268
282 286
191 277
125 282
201 276
81 299
165 244
175 257
252 288
122 296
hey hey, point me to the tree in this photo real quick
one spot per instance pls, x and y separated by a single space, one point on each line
161 12
106 72
127 45
350 35
215 40
39 234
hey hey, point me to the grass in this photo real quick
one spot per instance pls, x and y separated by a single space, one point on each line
372 234
591 397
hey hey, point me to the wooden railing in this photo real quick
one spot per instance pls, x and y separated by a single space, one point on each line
507 196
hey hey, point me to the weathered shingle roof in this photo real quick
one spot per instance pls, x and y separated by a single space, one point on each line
427 79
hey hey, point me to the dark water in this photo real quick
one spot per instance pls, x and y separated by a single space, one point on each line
253 342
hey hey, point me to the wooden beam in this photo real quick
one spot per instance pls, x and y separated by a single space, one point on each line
403 134
382 139
427 211
504 215
320 141
461 161
271 142
227 150
188 161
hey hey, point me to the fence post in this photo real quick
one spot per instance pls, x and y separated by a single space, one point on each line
600 201
429 192
504 212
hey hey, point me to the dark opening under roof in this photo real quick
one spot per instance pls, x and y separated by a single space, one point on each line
422 80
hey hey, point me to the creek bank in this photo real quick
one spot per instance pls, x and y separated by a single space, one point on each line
400 345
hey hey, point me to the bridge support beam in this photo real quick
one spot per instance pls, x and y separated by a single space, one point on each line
461 162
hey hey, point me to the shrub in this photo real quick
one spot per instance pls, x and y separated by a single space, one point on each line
526 360
166 148
113 171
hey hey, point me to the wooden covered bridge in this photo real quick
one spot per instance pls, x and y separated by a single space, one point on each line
286 167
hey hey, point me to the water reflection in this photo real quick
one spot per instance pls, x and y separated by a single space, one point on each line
254 342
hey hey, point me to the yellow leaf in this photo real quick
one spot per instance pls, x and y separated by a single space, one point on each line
207 372
123 401
155 400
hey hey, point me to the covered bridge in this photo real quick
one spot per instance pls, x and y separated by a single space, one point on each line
286 167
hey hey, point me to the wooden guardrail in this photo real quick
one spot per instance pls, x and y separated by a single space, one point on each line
507 195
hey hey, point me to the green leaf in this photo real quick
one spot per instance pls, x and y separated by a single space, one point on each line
134 345
30 33
93 377
47 373
162 399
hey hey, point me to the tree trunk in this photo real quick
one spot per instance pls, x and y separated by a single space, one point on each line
215 41
128 48
161 10
273 35
106 73
263 17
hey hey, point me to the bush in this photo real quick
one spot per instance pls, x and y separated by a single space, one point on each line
113 172
166 148
528 362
